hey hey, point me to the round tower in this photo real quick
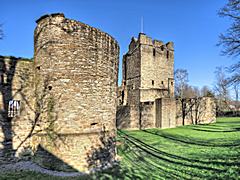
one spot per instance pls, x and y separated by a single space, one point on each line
76 91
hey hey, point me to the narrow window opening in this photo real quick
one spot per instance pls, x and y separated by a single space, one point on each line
49 88
167 54
147 103
162 82
153 82
92 124
14 108
171 83
154 51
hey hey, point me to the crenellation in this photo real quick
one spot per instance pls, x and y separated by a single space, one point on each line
170 46
157 43
144 39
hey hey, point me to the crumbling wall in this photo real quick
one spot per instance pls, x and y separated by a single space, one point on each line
16 83
195 111
77 66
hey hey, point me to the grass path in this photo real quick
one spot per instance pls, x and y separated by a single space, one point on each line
190 152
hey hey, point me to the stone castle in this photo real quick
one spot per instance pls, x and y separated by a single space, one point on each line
61 108
146 97
148 85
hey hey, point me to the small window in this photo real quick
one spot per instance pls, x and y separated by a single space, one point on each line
167 54
171 83
153 82
92 124
154 51
162 82
147 103
13 108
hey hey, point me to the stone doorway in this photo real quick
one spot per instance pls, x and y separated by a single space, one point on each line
158 111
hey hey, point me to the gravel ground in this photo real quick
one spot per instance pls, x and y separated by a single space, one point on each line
30 166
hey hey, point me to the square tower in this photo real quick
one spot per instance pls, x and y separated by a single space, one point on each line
148 83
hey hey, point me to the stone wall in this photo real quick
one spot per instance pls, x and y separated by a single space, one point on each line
157 61
128 117
168 116
16 84
147 76
77 66
195 111
147 117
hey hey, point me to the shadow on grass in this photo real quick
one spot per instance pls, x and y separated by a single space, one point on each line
145 157
195 141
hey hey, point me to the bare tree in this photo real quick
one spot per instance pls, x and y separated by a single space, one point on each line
190 91
236 92
181 80
206 92
230 40
221 89
234 71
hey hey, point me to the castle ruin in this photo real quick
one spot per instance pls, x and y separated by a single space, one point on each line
67 94
148 85
146 97
61 107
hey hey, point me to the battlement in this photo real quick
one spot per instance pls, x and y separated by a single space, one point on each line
143 39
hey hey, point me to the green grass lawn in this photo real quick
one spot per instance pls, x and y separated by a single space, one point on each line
189 152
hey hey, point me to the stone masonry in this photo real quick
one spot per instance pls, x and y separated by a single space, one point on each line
146 97
148 85
16 83
72 96
68 96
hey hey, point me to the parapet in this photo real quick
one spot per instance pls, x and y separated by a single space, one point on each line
145 40
170 46
69 25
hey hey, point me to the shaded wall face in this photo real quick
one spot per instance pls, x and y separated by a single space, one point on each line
16 84
131 75
78 66
128 117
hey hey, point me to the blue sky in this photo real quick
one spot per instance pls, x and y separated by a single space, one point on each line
193 25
